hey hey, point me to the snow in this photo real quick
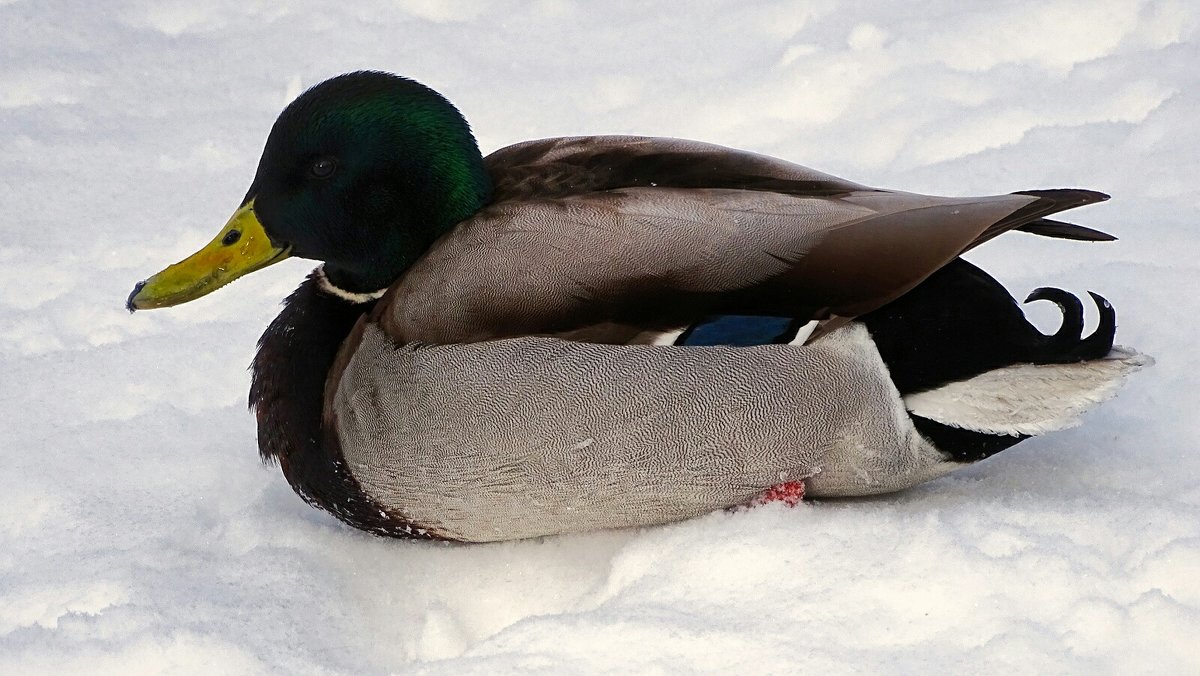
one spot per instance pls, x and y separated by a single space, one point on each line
141 535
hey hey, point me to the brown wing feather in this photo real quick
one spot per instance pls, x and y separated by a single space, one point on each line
1050 202
561 167
1048 227
666 257
604 238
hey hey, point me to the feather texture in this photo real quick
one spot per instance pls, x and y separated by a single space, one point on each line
590 248
534 436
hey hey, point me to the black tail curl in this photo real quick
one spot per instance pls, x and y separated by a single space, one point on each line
960 323
1067 344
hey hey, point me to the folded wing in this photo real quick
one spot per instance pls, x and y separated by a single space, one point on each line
581 242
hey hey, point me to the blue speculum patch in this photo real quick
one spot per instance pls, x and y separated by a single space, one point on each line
739 330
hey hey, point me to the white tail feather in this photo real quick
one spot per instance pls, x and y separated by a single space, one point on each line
1028 398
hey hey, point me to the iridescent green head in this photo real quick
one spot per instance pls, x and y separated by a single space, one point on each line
363 171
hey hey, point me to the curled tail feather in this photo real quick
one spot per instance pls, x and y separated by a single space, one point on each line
1068 344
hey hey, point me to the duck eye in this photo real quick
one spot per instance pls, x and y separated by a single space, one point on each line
231 237
323 167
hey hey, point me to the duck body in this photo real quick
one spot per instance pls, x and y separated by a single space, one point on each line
628 331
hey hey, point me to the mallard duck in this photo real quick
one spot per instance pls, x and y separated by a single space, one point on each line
608 331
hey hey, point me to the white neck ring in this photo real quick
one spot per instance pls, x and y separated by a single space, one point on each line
338 292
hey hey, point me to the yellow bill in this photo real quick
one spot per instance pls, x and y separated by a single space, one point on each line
240 248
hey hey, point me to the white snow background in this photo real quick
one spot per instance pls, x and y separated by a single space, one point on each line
140 534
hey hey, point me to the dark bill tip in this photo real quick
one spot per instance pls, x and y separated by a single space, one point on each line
129 301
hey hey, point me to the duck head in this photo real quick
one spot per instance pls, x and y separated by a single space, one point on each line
363 171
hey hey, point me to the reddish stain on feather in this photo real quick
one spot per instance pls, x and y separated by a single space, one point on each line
789 493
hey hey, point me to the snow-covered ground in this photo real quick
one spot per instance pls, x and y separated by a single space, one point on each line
139 533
